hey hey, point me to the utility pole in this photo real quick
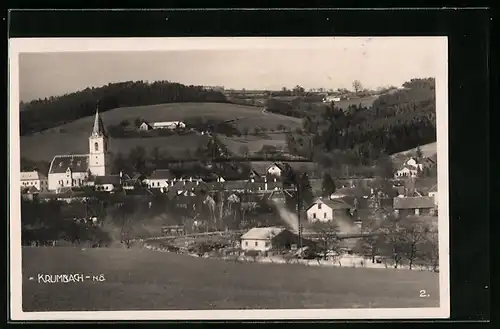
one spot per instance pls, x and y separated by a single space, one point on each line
297 185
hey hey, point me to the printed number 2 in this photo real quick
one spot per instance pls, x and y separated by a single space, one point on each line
423 293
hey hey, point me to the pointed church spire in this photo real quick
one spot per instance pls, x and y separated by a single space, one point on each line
98 129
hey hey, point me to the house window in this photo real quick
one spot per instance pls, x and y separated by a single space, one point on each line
246 243
67 182
96 146
314 215
268 243
324 215
319 205
256 243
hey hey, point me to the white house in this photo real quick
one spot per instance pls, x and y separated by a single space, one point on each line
328 210
110 183
75 169
329 99
35 179
274 170
169 125
144 126
434 194
160 178
411 168
266 238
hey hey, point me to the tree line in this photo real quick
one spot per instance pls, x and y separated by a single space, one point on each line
50 112
363 137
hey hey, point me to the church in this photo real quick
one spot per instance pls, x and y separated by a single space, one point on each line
77 170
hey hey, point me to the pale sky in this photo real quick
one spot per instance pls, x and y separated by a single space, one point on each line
374 61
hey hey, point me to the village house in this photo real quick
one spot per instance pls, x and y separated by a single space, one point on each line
109 183
160 178
417 206
34 179
274 170
410 169
169 125
328 210
433 193
144 126
264 239
133 183
74 170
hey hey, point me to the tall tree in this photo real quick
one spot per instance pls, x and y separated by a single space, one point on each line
306 194
328 185
356 84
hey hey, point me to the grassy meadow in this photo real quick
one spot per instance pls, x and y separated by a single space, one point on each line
139 279
73 136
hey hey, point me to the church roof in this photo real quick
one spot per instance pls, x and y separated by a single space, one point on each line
98 129
61 163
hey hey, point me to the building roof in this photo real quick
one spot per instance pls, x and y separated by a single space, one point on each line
161 174
32 175
30 190
110 179
262 233
334 204
145 123
414 203
61 163
167 123
98 129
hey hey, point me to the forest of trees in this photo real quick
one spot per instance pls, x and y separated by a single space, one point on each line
50 112
364 137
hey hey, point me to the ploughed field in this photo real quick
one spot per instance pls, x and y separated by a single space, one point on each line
140 279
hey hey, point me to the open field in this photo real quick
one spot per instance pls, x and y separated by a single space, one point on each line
138 279
44 147
73 137
345 103
428 150
254 143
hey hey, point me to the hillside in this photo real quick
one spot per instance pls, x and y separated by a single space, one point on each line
73 137
428 150
42 114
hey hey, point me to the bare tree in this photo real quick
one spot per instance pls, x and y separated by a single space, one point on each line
356 84
414 234
327 237
430 249
394 242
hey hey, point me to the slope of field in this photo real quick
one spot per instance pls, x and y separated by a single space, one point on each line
73 137
253 143
345 103
428 150
147 280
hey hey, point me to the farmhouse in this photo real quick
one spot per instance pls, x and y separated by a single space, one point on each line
419 206
411 168
34 179
329 99
144 126
160 178
169 125
328 210
108 183
268 238
274 170
74 170
433 193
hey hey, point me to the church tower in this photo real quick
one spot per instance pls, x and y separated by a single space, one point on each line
98 149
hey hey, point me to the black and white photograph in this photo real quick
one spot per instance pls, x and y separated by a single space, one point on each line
229 178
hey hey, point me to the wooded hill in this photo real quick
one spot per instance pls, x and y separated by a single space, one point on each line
50 112
363 135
